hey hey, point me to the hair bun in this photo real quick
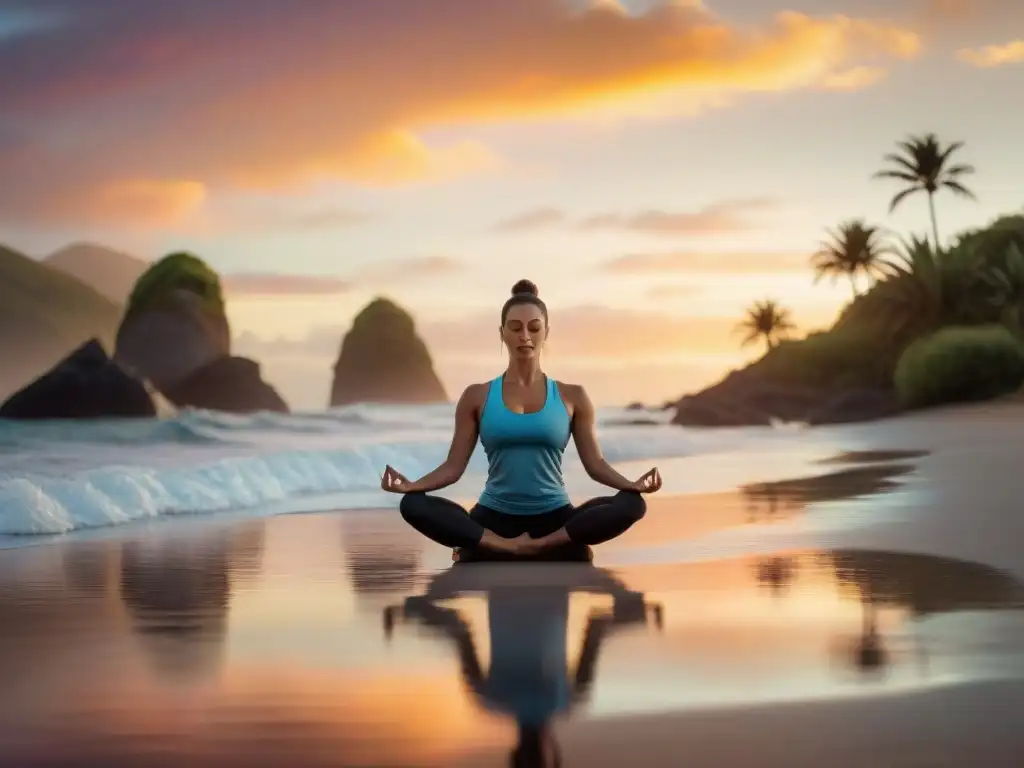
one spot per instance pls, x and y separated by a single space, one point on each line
525 286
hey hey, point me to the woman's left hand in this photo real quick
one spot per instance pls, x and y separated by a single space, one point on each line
649 483
394 481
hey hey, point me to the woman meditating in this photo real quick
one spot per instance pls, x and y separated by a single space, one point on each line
523 419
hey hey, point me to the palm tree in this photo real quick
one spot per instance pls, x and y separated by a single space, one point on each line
767 320
924 165
852 248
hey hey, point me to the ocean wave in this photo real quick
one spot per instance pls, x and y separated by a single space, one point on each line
63 477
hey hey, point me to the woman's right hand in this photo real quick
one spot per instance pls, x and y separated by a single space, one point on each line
394 481
649 483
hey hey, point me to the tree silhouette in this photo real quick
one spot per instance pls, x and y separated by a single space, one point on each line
767 320
852 248
923 164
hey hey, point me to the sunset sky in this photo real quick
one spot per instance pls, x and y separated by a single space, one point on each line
654 166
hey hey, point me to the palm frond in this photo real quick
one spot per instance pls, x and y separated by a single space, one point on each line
959 189
962 169
899 197
950 149
905 163
906 176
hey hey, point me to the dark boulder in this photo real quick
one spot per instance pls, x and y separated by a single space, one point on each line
698 411
761 405
231 384
86 384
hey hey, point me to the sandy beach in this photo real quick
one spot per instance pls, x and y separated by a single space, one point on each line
864 611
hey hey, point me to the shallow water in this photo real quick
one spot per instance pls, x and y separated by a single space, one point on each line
343 640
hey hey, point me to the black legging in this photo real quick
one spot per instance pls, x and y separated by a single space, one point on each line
593 522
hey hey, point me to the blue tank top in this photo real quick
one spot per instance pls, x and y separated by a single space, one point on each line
524 454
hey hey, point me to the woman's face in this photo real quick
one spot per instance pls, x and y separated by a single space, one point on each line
525 331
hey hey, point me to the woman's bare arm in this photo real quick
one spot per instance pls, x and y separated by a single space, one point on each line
584 433
463 442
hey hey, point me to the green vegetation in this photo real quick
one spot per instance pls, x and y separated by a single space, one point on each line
765 320
940 325
924 167
854 248
960 364
45 314
177 271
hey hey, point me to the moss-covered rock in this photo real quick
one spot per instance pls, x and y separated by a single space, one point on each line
174 323
180 271
175 333
383 360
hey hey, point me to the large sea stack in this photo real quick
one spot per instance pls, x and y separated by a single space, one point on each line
383 360
175 333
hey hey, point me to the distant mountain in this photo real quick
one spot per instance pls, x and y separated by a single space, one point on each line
44 314
110 272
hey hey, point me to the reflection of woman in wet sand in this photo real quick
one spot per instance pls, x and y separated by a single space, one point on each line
529 676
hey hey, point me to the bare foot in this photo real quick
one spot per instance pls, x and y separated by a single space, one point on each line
521 545
498 543
531 546
559 538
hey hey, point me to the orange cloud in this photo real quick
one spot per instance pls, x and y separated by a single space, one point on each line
541 63
350 91
991 56
700 261
395 157
129 202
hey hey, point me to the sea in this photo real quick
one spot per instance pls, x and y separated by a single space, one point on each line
65 477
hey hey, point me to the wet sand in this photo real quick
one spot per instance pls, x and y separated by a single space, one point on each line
870 612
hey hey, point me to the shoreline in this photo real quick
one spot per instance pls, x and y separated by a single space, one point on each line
774 454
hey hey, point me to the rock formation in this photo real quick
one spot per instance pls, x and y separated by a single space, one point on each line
228 384
748 398
86 384
383 360
45 315
175 333
174 323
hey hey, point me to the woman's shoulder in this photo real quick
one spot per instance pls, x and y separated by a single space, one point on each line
475 394
573 394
